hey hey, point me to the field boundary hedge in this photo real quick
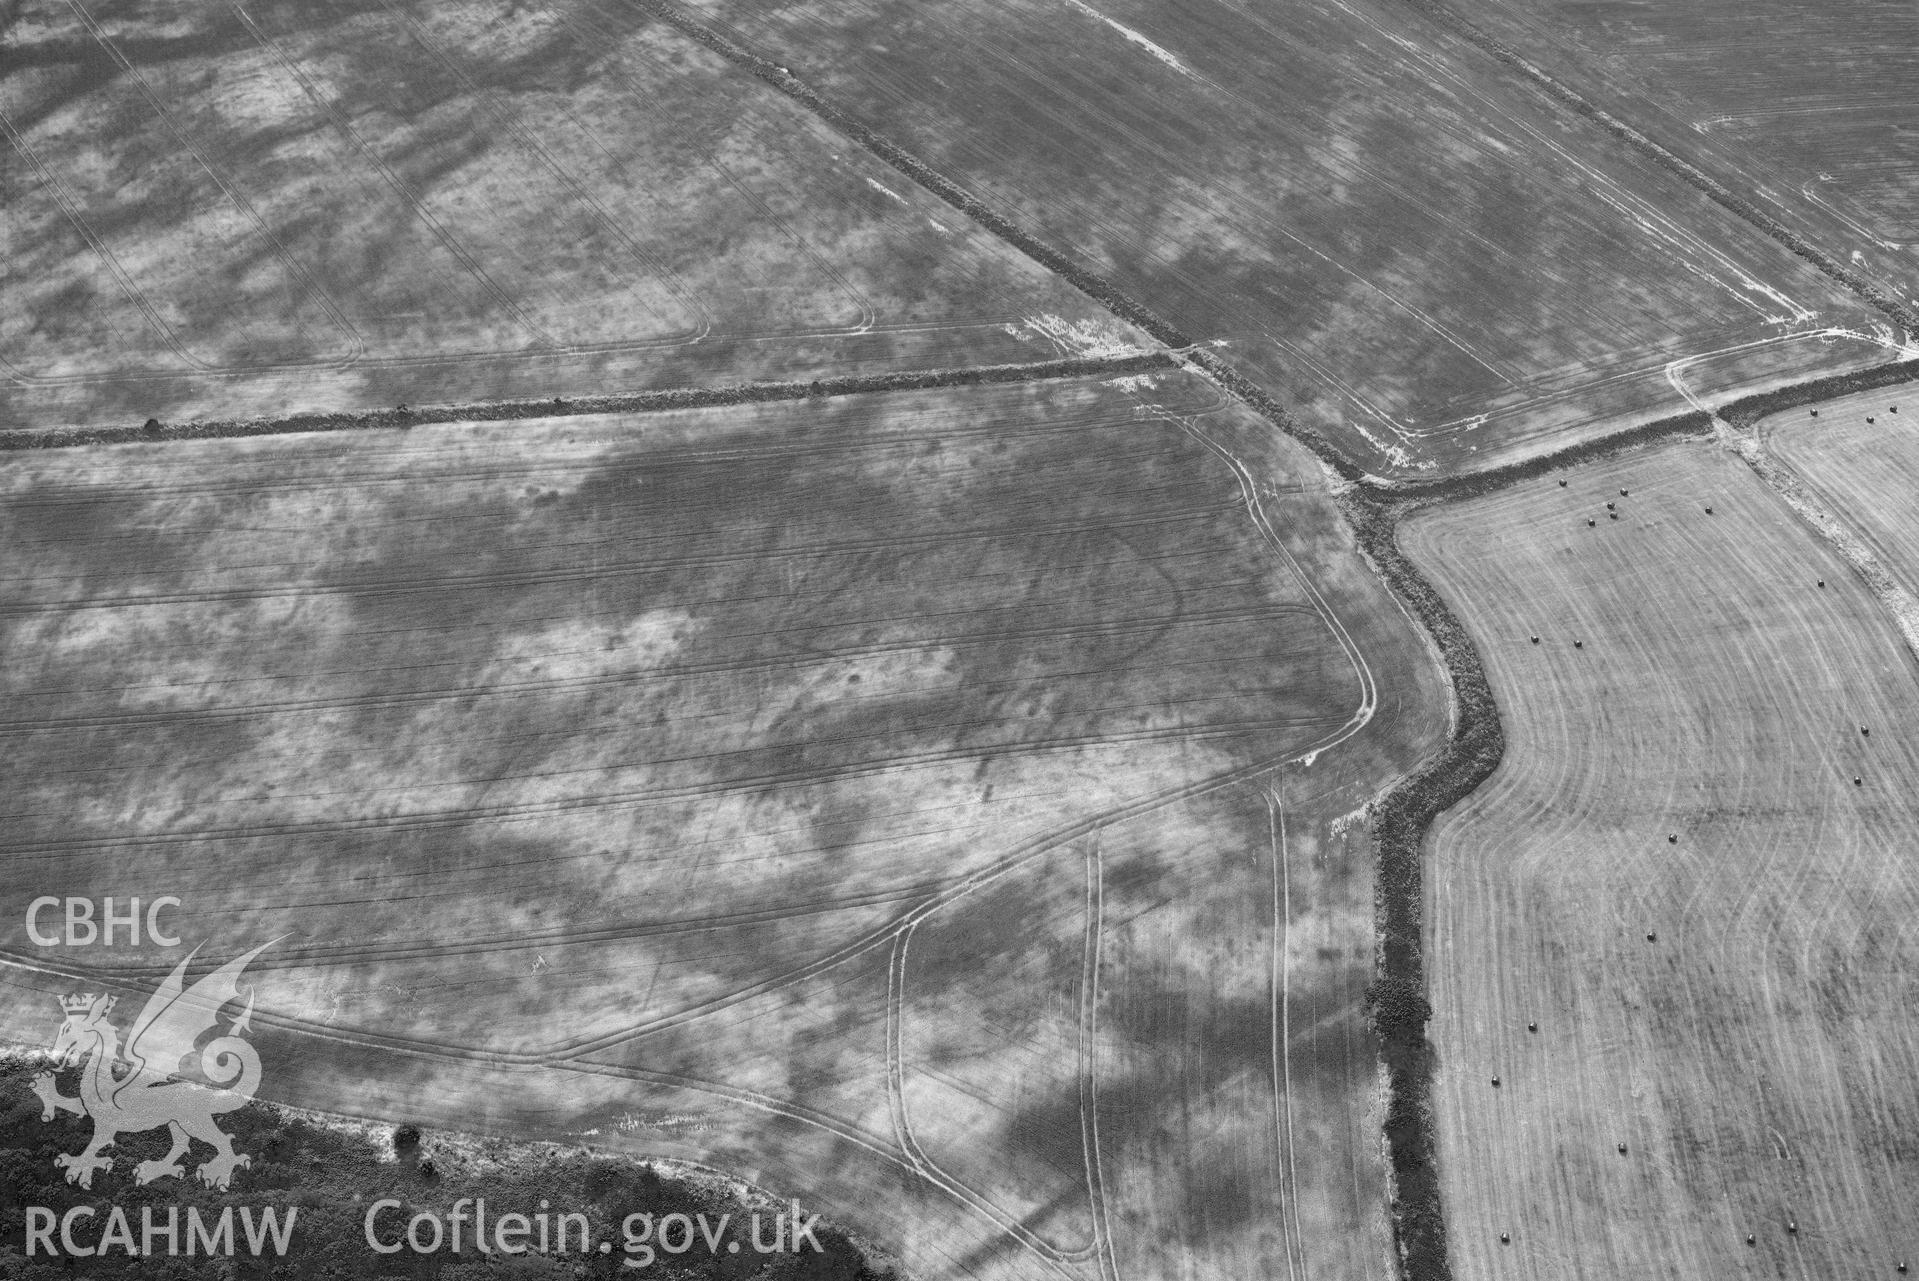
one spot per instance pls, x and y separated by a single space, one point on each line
1090 283
1748 410
1397 1003
570 406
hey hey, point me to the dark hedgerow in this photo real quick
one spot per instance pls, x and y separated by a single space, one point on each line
1750 409
639 402
1397 999
331 1176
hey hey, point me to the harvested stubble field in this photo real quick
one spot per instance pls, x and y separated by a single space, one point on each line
1804 106
1860 457
1755 1058
940 805
1405 244
242 210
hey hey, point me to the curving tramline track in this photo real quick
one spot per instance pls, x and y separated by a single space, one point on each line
1037 923
1184 593
1026 852
574 1055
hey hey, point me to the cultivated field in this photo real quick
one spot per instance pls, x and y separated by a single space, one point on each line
237 210
937 805
1387 230
1805 105
1732 1007
1864 472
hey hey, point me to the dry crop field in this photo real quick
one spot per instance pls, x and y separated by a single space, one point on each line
239 210
1860 457
1804 104
1387 231
937 804
962 808
1724 1044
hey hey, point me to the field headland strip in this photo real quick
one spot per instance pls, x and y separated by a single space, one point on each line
635 402
1676 164
1829 526
1748 410
1401 817
1397 1000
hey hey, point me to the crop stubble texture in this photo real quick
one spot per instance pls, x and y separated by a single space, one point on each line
241 210
1866 472
885 797
1345 218
1753 1058
1799 106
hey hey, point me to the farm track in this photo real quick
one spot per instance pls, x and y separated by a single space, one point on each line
428 584
510 689
889 915
1374 507
69 207
1715 261
571 1054
1692 174
1400 818
460 816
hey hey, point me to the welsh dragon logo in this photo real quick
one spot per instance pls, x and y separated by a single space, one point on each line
139 1087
